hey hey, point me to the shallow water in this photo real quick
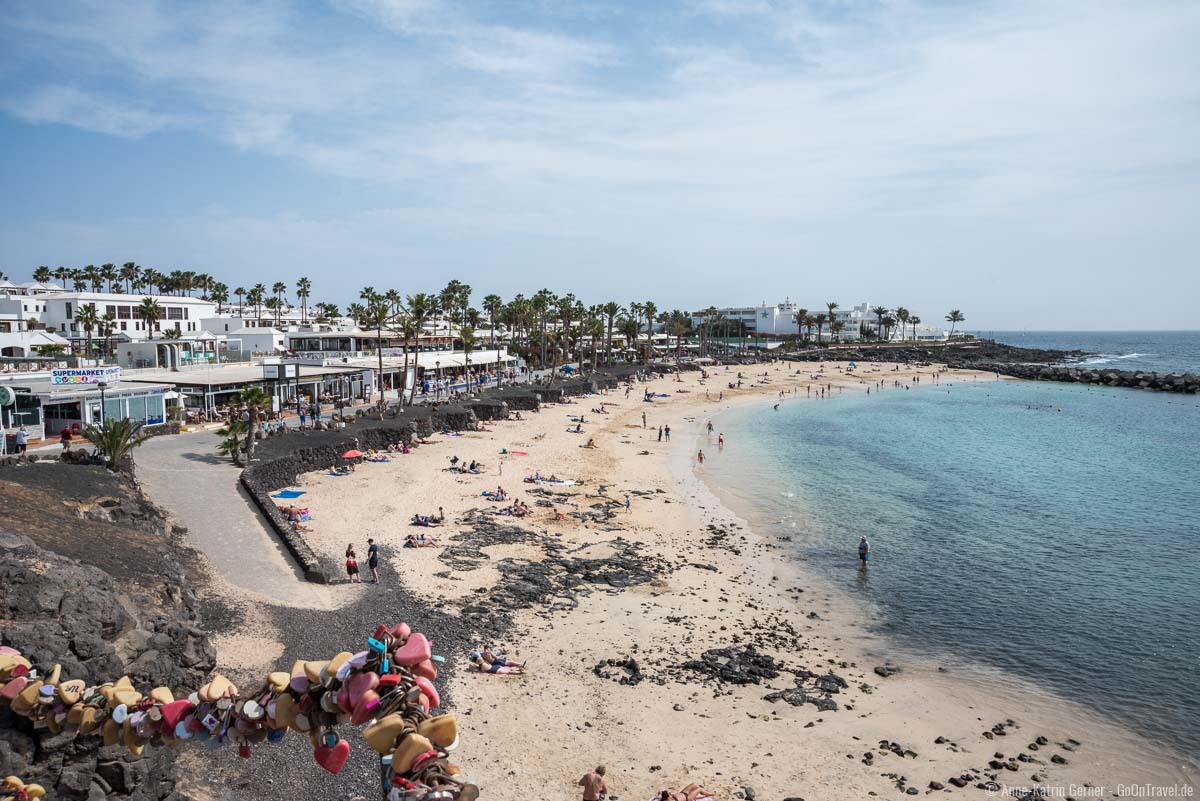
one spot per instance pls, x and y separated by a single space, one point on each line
1046 530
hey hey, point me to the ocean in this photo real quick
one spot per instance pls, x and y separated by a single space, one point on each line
1046 530
1159 351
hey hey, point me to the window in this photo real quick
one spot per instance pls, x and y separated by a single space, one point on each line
174 313
68 311
124 312
111 310
123 325
185 312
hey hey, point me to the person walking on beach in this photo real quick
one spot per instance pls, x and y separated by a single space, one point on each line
700 457
628 505
22 441
864 550
594 786
721 441
351 564
710 427
373 560
667 431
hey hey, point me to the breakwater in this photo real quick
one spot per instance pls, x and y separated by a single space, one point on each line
1034 364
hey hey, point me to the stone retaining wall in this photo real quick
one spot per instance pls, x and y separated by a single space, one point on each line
263 478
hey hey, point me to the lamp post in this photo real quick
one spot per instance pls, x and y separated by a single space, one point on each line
437 388
103 385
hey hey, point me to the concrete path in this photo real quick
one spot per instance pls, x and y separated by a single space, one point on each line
200 490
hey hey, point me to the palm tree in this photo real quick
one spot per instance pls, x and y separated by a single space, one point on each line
819 322
914 321
278 288
376 314
129 274
492 305
954 318
327 312
357 312
151 313
879 311
43 275
835 329
303 290
108 324
88 319
407 328
539 304
61 274
240 292
219 294
79 280
889 322
902 314
610 311
256 295
232 444
801 318
466 335
254 400
274 304
831 306
109 273
630 328
421 307
114 439
651 311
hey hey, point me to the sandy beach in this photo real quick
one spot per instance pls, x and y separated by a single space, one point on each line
711 583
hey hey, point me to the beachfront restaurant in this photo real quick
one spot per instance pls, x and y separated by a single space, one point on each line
206 392
45 404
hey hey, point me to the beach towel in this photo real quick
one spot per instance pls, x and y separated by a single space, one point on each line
285 494
657 796
452 433
565 482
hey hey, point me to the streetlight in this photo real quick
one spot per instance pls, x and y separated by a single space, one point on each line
437 388
103 385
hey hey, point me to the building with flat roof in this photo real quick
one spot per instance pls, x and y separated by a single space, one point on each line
73 398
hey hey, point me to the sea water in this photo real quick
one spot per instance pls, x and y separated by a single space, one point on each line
1048 530
1158 351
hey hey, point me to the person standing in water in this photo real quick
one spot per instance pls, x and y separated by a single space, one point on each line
864 550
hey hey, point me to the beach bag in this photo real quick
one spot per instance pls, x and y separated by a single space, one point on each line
351 563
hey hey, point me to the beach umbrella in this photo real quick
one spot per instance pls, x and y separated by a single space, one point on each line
352 454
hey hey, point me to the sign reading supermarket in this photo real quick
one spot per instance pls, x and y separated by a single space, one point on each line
86 375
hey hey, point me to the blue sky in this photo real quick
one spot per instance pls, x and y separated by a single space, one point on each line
1032 163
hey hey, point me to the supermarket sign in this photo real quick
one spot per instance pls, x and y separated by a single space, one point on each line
86 375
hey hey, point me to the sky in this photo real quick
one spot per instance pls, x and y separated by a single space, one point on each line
1034 164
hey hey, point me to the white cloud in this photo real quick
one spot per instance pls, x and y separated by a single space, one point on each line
68 105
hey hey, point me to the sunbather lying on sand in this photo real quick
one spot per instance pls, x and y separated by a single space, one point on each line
420 541
499 666
690 793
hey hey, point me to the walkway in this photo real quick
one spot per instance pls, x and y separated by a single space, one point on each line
200 491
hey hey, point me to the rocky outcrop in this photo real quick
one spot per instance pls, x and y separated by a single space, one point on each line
56 610
1188 383
968 355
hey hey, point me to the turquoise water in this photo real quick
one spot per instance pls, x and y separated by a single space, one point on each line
1047 530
